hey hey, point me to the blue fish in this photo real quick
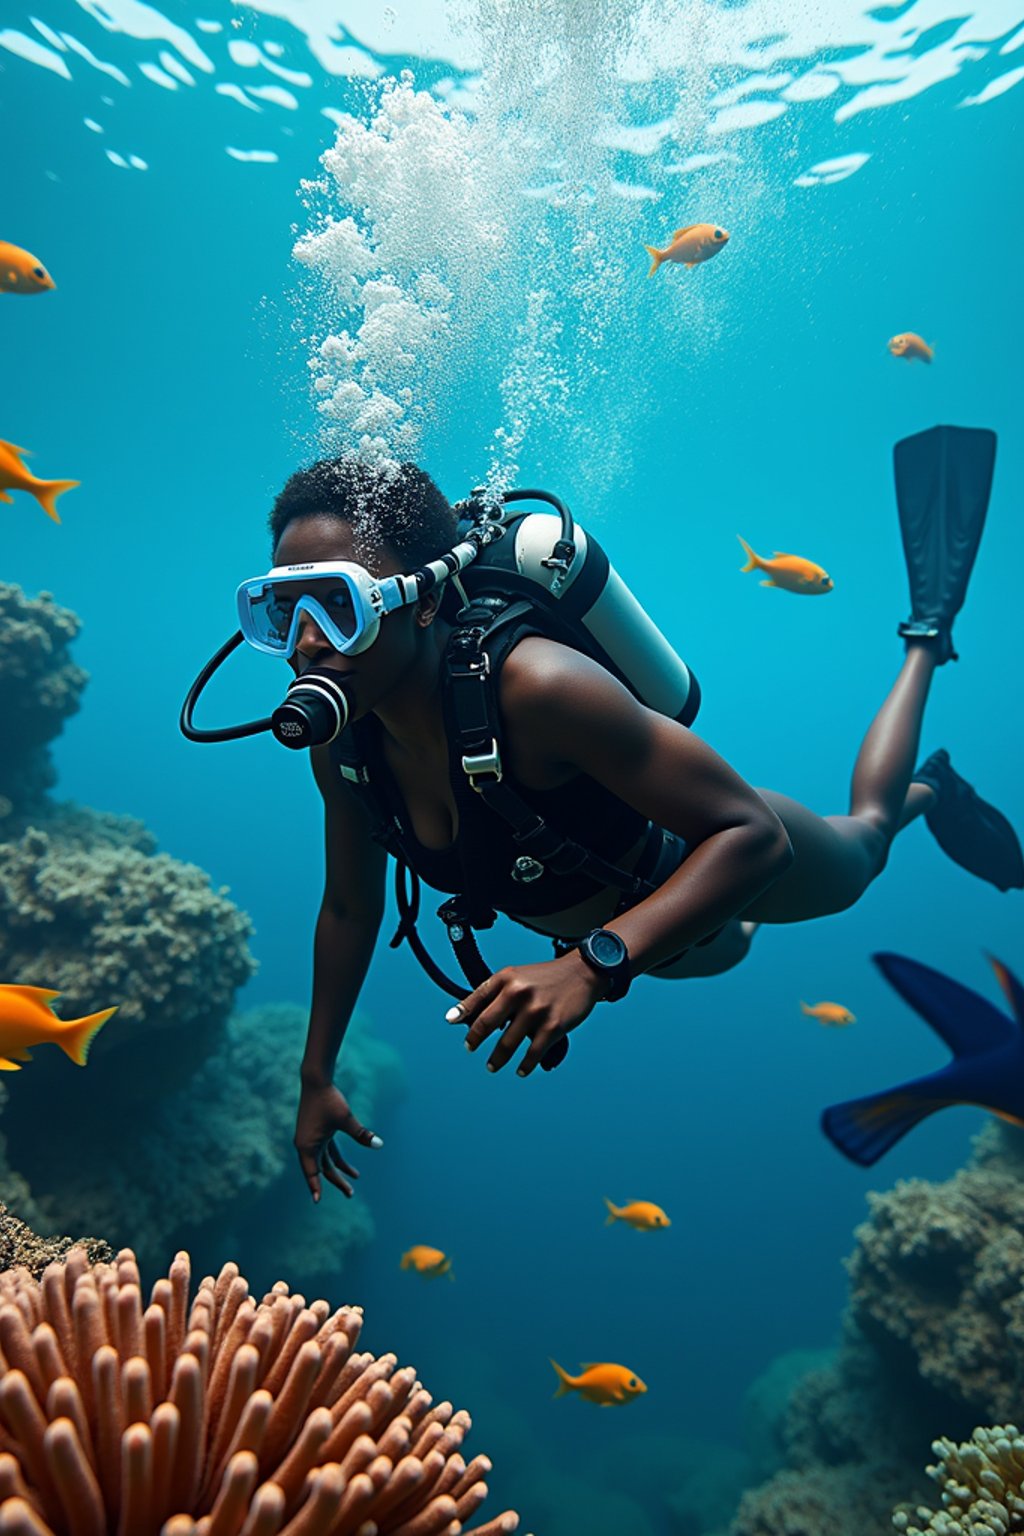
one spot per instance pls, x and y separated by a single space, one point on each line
987 1067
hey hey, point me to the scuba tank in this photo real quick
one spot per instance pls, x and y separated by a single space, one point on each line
577 596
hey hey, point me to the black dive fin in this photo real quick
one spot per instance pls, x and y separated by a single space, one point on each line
864 1129
964 1019
943 481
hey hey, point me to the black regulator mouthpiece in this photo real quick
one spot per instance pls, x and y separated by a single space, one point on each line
315 710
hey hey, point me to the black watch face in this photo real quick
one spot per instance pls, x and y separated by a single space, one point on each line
607 948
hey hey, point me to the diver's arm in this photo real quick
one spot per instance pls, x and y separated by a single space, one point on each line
346 934
575 713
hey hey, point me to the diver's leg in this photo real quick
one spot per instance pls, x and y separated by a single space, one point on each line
837 857
729 946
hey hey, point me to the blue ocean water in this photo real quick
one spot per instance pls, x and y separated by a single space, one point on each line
168 373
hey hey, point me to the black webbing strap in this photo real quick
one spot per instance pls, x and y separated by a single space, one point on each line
476 651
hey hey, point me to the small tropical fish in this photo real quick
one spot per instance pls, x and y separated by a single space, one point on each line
691 245
987 1069
640 1214
828 1013
790 572
20 272
14 476
912 347
427 1261
26 1019
607 1385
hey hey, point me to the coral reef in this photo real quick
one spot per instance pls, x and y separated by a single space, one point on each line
40 686
210 1162
21 1248
937 1280
821 1501
933 1340
211 1419
982 1486
105 922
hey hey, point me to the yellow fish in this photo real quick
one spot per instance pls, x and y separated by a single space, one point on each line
691 245
20 272
829 1013
792 573
911 346
641 1214
15 477
26 1019
607 1385
427 1261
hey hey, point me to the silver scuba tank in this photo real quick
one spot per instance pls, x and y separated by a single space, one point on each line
591 593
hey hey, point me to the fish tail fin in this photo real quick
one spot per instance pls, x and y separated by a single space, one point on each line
865 1129
752 560
657 257
613 1212
46 494
805 1009
79 1034
565 1382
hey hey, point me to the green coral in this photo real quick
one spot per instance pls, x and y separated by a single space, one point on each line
938 1278
982 1485
108 924
40 686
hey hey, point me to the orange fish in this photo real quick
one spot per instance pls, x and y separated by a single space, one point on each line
20 272
790 572
691 245
14 476
427 1261
607 1385
640 1214
26 1019
829 1013
911 346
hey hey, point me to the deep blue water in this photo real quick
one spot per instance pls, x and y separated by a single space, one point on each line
164 374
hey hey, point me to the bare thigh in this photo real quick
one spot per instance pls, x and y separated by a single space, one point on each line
835 860
726 949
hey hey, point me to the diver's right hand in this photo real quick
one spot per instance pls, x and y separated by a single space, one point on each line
323 1111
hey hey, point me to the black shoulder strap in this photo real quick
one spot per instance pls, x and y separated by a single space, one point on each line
484 634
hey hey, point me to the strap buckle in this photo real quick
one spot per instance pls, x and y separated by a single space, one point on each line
484 766
356 774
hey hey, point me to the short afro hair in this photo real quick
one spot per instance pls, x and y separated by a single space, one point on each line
388 503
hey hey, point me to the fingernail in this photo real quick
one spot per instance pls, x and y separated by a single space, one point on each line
520 1072
469 1045
375 1141
316 1197
454 1014
491 1066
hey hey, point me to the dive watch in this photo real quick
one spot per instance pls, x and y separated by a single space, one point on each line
607 954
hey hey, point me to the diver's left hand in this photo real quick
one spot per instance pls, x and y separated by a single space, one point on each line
540 1002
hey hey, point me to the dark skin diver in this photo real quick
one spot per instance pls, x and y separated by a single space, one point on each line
757 856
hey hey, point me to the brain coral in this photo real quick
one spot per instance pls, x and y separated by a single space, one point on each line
40 686
226 1417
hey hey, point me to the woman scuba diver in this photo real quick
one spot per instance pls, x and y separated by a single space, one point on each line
522 761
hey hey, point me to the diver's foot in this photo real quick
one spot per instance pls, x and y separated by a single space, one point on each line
973 833
938 638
